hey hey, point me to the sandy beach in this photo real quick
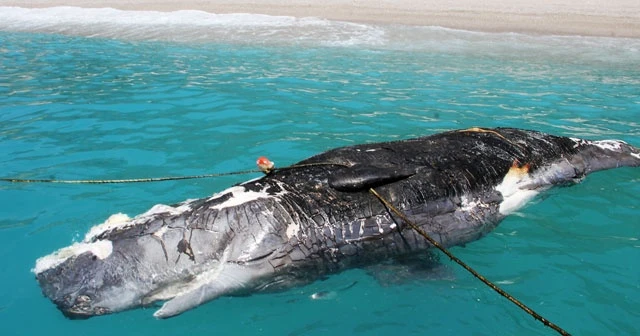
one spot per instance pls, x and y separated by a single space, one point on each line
614 18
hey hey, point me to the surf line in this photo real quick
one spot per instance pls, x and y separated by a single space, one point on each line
491 285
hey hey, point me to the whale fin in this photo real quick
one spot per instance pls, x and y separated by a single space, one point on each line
186 301
223 281
362 177
410 269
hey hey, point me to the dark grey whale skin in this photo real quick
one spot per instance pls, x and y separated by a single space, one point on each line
320 218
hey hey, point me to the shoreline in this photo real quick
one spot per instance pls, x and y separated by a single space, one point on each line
621 18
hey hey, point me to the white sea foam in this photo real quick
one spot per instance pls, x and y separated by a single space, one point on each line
258 29
187 26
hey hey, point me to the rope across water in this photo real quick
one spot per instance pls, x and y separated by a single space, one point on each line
265 170
138 180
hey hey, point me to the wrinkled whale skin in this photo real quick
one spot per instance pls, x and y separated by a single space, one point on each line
296 225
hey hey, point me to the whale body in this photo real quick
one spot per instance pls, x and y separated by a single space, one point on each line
317 217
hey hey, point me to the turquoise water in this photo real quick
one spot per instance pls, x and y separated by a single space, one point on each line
144 103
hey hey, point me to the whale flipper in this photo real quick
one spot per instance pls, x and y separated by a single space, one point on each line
409 269
224 280
186 301
361 177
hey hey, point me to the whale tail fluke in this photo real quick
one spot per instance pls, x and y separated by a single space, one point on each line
605 154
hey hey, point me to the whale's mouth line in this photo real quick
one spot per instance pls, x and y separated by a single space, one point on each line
83 312
77 314
81 308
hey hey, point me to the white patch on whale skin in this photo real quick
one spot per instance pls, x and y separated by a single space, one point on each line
162 208
292 230
611 145
579 142
637 156
118 220
514 190
516 201
519 186
471 205
161 231
101 249
240 195
467 204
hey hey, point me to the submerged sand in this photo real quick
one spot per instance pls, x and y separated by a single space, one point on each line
616 18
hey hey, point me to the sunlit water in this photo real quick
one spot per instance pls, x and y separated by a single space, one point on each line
103 94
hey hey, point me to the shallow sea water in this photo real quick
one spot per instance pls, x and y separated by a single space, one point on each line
188 93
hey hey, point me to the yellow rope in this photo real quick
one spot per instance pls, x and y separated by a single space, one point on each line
468 268
482 130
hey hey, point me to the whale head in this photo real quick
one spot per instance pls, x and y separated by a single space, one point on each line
89 279
184 254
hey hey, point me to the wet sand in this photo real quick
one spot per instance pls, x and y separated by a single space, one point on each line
617 18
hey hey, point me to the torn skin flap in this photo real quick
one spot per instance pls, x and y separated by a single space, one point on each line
362 177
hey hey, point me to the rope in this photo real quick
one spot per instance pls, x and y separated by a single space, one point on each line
468 268
165 178
139 180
